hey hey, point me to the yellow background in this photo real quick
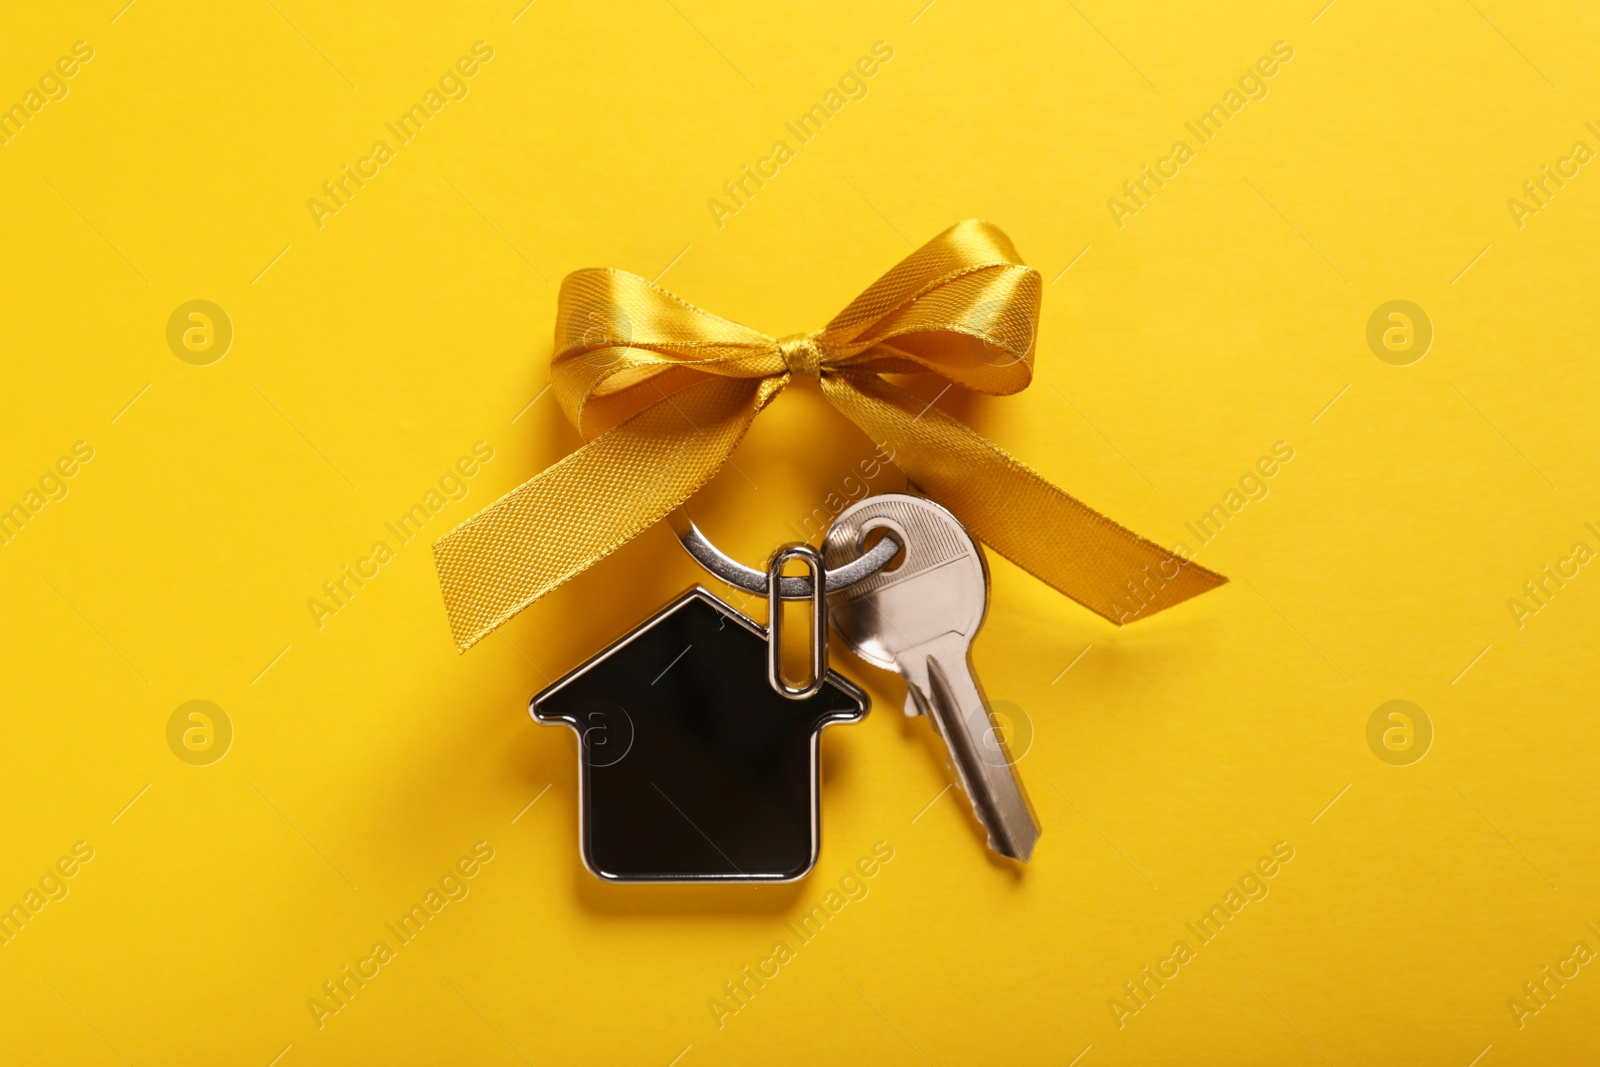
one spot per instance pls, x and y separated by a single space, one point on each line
1225 316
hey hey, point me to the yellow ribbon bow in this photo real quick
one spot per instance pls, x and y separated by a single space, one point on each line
663 392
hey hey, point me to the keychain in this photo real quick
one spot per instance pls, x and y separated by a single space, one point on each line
698 761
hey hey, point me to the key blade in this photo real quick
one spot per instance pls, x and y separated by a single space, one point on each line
960 712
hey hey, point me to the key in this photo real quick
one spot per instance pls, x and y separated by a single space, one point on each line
919 619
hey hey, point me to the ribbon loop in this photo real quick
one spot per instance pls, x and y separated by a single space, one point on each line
664 391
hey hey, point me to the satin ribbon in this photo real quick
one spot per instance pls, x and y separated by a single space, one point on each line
663 392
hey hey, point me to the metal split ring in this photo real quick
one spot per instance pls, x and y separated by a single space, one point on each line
793 587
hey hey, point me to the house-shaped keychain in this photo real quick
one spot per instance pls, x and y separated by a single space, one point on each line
691 767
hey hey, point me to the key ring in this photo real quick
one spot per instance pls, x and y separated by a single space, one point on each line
793 587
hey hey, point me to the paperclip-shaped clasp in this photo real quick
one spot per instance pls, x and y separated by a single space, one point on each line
819 621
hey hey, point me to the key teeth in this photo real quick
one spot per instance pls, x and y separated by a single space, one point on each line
912 708
1021 854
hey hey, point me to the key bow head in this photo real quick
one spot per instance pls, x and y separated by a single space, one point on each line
938 593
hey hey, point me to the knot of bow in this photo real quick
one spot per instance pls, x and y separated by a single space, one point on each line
663 391
801 354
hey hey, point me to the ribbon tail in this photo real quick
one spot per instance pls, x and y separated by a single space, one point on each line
591 503
1063 542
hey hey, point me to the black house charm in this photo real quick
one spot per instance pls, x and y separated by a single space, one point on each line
691 768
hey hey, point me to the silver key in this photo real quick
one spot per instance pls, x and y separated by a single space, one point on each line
920 619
